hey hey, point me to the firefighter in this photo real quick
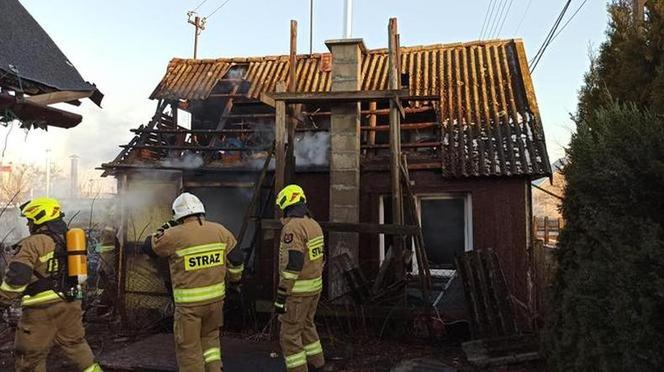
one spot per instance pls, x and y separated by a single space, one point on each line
300 282
48 315
200 255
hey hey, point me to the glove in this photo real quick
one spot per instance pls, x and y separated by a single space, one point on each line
236 287
279 308
280 304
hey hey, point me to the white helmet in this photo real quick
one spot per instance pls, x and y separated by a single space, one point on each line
186 205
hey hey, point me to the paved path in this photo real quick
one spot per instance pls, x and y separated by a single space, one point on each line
157 353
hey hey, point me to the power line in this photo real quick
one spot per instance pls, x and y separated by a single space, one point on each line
219 7
486 17
490 19
547 41
523 17
496 18
509 7
199 5
569 20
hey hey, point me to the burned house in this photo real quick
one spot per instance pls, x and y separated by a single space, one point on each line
470 133
34 74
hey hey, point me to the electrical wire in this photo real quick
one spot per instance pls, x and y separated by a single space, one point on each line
199 5
486 17
509 7
569 20
547 41
499 15
518 27
219 7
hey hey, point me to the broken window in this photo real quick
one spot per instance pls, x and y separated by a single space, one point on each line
446 221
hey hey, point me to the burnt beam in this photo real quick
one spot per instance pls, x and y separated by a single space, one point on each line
349 96
363 228
195 148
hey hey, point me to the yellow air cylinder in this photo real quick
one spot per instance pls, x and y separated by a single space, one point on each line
77 259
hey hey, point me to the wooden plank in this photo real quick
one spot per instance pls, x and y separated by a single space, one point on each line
487 295
122 254
255 199
362 228
292 65
194 148
226 183
405 145
280 145
502 294
411 218
58 97
412 126
346 96
465 273
372 123
395 149
378 112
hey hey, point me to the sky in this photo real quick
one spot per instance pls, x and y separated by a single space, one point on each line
123 46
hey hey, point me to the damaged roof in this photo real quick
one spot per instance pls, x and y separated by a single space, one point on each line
488 113
31 61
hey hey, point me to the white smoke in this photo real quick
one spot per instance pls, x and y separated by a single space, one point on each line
186 161
12 227
312 149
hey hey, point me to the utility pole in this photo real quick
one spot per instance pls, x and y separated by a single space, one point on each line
199 26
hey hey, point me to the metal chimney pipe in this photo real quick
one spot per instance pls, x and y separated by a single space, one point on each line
348 19
73 177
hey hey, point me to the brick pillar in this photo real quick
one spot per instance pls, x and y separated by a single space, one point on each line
347 57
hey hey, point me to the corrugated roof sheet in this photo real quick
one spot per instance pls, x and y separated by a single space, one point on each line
488 109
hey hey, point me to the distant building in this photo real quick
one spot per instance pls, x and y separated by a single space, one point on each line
545 204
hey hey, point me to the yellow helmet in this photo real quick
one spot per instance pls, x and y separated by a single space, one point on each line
41 210
290 195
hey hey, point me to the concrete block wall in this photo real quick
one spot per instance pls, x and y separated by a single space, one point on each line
347 57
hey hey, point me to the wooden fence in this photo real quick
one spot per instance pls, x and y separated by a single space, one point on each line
547 229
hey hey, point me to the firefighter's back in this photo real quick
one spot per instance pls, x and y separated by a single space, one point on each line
197 260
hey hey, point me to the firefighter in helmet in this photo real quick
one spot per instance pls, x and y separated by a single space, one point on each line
300 282
200 255
48 315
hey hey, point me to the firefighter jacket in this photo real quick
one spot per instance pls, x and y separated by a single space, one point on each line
301 257
198 257
30 272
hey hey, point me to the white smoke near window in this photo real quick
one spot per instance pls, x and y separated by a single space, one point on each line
312 149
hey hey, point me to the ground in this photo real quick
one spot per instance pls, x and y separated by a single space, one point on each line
124 351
